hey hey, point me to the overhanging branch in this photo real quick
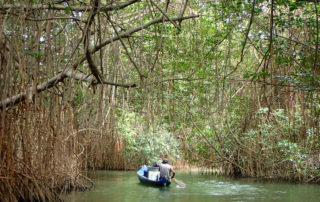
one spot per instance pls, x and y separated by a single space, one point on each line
64 74
92 80
91 64
68 73
165 14
128 33
64 7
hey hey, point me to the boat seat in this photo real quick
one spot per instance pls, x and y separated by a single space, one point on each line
154 175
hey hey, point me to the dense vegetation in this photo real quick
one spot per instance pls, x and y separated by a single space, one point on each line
230 85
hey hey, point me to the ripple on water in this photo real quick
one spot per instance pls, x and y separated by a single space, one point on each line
216 188
126 187
180 187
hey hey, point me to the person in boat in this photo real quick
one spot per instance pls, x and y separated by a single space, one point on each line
166 169
155 164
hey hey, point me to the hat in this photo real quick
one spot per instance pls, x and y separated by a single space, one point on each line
165 160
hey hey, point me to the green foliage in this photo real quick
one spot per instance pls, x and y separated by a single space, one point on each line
36 54
68 10
145 145
256 75
78 99
277 134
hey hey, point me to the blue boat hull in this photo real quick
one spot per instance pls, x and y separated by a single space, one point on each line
145 180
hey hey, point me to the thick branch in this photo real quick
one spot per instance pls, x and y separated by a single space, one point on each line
54 18
62 75
128 33
64 7
87 34
68 73
92 80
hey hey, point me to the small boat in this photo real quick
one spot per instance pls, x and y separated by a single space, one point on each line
151 176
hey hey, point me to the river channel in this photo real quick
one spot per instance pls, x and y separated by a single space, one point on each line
118 186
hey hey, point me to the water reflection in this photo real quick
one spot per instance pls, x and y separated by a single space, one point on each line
160 189
124 186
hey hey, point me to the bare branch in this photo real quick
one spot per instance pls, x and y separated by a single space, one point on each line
54 18
164 13
92 80
283 37
62 75
270 35
317 42
128 33
183 10
125 48
68 73
245 41
86 40
64 7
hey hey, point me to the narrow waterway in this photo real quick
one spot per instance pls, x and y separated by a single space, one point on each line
124 186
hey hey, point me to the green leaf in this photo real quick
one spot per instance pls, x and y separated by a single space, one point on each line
68 10
36 54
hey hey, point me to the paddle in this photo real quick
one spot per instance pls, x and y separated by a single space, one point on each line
178 182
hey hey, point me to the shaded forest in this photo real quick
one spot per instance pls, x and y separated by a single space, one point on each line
94 84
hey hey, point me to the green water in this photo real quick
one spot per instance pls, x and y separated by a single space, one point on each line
124 186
